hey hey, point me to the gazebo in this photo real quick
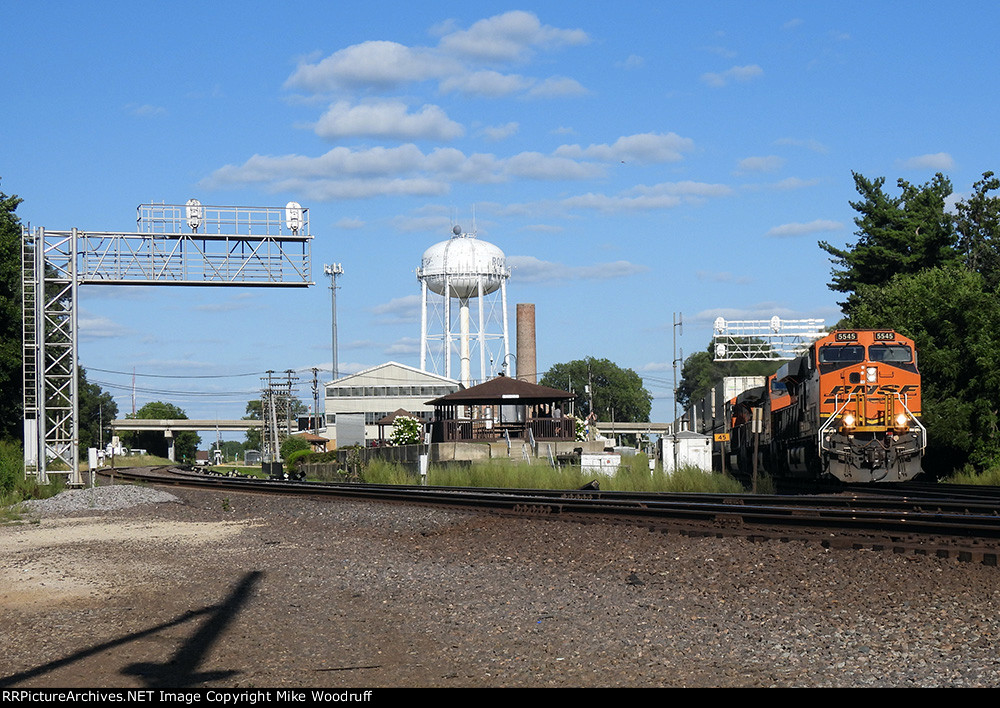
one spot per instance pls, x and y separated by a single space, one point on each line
502 407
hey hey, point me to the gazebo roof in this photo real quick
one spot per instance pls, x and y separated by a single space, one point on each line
505 390
391 418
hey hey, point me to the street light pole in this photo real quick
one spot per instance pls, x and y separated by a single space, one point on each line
333 271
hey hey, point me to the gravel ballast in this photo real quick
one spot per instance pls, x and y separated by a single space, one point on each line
238 590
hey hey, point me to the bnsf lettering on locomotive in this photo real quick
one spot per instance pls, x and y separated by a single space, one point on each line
887 389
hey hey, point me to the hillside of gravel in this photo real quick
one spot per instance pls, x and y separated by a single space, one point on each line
238 590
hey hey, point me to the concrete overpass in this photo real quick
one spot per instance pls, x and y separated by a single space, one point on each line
619 428
169 427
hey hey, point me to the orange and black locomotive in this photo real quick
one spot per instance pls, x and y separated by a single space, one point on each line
848 408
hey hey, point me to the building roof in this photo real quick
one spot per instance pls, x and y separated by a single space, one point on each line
411 370
504 389
306 435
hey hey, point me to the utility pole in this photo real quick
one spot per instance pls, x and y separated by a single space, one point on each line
333 271
678 322
315 402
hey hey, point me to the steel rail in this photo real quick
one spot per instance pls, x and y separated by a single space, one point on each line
895 517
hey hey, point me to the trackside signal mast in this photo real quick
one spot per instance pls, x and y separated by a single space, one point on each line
173 244
764 340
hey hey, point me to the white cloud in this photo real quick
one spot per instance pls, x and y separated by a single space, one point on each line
511 36
934 161
500 132
546 167
386 119
641 147
529 269
376 63
399 309
769 163
486 83
722 277
736 73
145 110
430 223
348 223
93 327
633 61
345 173
798 229
757 311
405 345
456 61
545 228
656 366
666 195
557 86
784 185
794 183
353 367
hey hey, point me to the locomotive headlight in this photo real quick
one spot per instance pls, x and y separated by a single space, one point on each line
872 374
902 421
849 420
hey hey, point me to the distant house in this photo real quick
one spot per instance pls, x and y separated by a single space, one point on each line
317 442
379 391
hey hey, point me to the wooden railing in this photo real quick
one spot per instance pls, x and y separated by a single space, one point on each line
486 429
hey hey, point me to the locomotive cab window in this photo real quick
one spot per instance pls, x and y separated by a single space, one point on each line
892 353
833 354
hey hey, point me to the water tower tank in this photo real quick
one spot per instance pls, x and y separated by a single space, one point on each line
459 263
464 269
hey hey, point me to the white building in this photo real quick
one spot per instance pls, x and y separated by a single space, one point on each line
381 390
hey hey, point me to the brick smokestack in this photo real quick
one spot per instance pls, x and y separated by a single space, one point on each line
526 367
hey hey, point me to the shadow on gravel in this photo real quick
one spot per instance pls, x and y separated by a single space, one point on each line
180 671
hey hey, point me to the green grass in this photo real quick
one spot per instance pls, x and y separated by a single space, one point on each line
988 477
632 476
382 472
15 487
139 461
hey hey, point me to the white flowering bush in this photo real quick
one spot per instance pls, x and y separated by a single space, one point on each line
406 430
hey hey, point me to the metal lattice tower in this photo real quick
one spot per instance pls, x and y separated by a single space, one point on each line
764 340
188 244
276 412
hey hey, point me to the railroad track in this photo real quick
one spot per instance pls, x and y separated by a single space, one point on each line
959 525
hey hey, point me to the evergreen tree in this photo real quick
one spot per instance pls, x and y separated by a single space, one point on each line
11 374
904 234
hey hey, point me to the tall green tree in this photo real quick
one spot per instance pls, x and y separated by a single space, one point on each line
616 392
701 373
11 374
185 443
97 410
978 225
954 321
907 233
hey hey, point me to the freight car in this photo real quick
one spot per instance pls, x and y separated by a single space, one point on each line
848 408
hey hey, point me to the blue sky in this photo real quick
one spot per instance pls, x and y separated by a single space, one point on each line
632 160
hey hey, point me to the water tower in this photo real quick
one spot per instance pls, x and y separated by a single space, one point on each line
459 271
